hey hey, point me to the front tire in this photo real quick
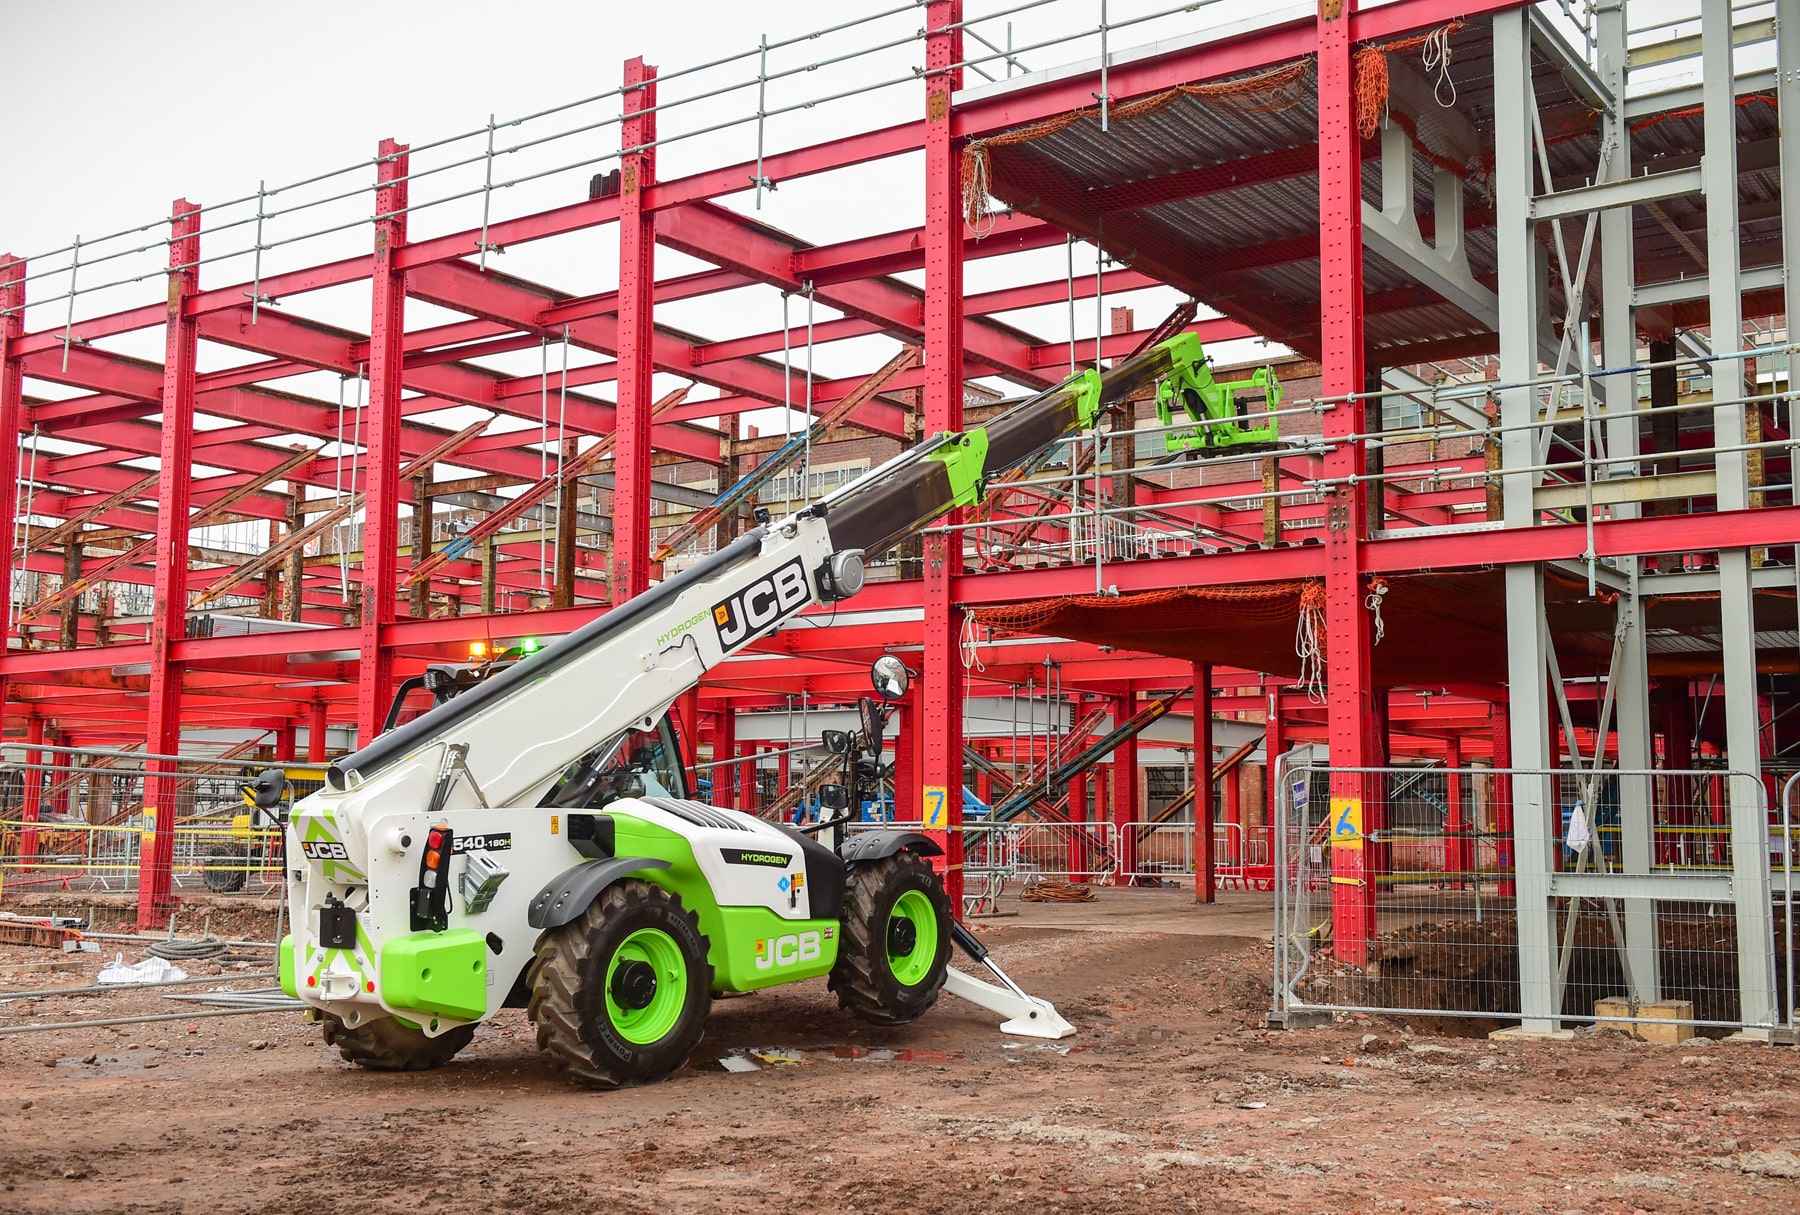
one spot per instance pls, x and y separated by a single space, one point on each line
225 869
896 940
386 1045
620 994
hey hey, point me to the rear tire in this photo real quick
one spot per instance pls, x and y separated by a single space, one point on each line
620 994
225 869
388 1046
895 946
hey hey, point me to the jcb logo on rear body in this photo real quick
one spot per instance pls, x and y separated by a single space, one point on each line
324 850
761 604
787 951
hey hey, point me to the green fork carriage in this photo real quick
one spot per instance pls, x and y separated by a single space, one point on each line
1220 409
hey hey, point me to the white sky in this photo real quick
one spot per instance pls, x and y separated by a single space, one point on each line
131 105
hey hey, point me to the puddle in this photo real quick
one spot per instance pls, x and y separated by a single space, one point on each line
759 1057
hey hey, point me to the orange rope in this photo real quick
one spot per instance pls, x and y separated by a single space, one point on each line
1696 111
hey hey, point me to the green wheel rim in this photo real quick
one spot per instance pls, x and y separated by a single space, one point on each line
651 1023
910 969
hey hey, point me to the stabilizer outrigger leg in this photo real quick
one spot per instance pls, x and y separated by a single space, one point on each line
1029 1016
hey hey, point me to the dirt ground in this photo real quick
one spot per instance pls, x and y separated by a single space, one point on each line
1172 1097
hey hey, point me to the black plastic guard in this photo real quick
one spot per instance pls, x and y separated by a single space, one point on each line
873 845
569 895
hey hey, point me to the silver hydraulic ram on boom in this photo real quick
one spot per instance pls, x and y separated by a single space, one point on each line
487 852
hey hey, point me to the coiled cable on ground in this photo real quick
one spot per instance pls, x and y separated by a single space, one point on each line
1049 890
188 951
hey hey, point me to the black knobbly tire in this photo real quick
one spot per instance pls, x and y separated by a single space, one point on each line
388 1046
590 1033
225 869
864 977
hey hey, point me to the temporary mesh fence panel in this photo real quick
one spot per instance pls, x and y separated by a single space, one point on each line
1447 941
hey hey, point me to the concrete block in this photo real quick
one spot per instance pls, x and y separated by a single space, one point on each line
1518 1033
1655 1022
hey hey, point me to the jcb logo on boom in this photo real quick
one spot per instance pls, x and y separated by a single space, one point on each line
787 951
761 604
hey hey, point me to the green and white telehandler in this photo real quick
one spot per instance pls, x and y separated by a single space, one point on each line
530 841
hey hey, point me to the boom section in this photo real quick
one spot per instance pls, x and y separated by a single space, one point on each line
524 726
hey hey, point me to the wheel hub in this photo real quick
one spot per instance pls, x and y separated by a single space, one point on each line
903 937
634 985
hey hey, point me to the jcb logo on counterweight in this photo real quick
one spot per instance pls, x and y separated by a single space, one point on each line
787 951
324 850
761 604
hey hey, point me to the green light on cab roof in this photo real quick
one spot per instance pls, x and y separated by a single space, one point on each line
530 645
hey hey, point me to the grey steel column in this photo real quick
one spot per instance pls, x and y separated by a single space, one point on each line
1618 348
1749 824
1520 310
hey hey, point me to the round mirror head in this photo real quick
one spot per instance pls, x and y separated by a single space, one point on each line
889 676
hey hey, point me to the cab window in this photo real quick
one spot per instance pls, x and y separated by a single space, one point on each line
637 763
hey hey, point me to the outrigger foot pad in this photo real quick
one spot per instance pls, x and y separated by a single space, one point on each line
1028 1016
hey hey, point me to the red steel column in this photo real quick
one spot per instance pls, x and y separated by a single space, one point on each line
12 418
1274 746
1459 846
168 620
637 274
387 350
1125 791
1348 639
1234 813
315 734
1205 881
942 695
724 778
906 762
284 743
31 803
60 765
1502 826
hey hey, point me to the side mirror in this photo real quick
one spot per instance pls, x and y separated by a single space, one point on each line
890 677
267 790
874 724
834 797
836 741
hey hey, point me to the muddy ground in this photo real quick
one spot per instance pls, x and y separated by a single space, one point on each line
1171 1098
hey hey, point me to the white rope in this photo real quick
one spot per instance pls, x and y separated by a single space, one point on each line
806 464
1377 589
978 189
562 442
338 498
27 495
1309 646
1435 54
969 644
543 446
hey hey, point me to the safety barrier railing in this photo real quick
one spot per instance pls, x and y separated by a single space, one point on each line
78 818
743 107
1423 922
1064 515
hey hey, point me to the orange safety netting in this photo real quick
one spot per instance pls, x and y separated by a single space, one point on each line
1441 627
1270 91
1437 627
1696 111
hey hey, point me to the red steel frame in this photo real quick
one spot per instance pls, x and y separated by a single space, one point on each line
229 676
